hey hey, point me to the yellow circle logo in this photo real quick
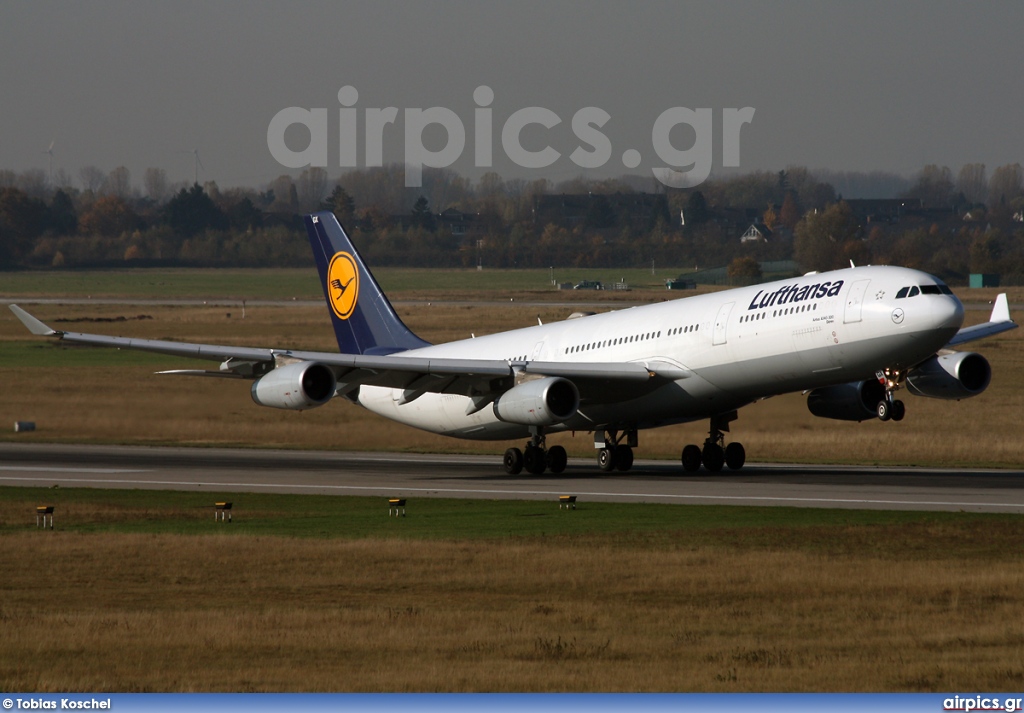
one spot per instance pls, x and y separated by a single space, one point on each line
343 284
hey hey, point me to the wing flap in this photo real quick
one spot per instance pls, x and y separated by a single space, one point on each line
589 370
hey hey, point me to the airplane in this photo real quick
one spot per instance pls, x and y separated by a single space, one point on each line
850 339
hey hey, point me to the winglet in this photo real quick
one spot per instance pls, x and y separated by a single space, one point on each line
33 324
998 323
1000 310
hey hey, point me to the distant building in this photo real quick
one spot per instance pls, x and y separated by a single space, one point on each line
456 222
756 232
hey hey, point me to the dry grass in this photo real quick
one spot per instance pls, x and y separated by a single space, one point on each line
899 608
173 613
128 404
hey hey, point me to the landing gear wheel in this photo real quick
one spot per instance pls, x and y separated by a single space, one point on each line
735 456
513 461
606 459
691 458
533 459
623 458
557 459
713 457
884 410
899 410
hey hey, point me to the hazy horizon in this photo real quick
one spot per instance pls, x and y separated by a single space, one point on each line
871 87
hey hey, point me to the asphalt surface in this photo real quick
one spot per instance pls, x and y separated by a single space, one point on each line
482 477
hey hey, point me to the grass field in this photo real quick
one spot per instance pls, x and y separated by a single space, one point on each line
91 395
142 591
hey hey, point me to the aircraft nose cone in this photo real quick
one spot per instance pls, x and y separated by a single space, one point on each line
948 313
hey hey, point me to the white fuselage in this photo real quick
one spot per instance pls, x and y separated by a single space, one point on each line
737 346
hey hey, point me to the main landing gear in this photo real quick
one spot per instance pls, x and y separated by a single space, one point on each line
891 408
615 452
535 457
715 453
615 449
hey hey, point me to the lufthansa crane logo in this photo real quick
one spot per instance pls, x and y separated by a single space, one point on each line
343 284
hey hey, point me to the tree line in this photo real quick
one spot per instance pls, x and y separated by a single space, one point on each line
963 223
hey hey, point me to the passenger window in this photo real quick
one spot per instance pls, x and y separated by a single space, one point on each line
914 292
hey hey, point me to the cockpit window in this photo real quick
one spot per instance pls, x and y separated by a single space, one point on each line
914 292
945 290
930 290
902 293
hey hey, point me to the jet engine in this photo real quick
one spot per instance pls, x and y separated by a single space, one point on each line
951 376
856 401
541 402
299 386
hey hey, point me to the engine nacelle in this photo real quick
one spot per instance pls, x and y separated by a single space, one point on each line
541 402
856 401
950 376
299 386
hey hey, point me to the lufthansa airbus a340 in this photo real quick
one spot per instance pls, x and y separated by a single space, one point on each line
850 339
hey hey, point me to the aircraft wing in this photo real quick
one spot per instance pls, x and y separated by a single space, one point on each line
997 323
416 375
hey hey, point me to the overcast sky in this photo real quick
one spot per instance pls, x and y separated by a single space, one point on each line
839 85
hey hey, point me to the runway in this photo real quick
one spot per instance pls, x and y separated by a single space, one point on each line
481 477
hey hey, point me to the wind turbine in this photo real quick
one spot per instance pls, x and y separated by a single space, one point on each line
198 163
49 152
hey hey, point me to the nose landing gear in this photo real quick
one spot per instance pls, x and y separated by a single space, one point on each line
891 408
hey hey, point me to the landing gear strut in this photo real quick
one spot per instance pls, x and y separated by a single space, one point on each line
891 407
534 457
615 449
715 453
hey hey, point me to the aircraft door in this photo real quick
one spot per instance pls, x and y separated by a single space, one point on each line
537 350
721 322
854 301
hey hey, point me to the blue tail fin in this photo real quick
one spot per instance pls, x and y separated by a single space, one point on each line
364 320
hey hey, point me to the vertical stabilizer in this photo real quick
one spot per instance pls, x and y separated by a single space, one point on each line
364 321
